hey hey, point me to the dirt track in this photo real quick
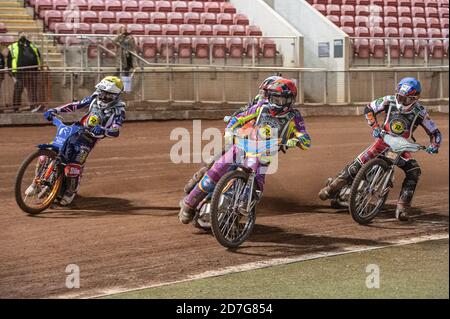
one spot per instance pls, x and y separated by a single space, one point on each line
123 231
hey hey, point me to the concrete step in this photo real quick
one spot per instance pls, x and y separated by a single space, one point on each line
10 4
28 29
19 22
15 16
13 10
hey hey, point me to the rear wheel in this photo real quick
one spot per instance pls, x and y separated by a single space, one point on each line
367 194
230 225
38 181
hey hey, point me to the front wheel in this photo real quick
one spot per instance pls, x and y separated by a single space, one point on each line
230 223
38 181
369 190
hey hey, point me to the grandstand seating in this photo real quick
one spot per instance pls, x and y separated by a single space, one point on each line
183 20
410 21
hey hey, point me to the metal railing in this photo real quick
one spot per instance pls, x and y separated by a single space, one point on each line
418 51
162 87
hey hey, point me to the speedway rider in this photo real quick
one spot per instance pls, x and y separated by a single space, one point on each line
104 117
403 114
277 113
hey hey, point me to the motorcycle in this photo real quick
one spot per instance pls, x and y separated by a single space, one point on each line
229 211
372 184
40 179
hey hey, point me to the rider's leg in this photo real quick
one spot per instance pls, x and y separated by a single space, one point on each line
73 173
205 186
412 174
33 188
200 173
349 172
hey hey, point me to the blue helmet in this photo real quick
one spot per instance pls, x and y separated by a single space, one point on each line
407 93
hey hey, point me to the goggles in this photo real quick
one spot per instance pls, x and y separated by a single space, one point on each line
405 100
107 97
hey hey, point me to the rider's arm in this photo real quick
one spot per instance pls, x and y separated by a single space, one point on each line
114 129
374 108
431 129
244 117
74 106
299 131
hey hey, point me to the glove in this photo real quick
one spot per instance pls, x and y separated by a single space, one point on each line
432 149
98 130
292 142
48 115
376 132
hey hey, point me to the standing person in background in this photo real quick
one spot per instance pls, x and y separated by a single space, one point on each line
124 59
24 54
2 76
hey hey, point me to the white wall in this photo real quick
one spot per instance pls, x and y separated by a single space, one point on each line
315 28
272 24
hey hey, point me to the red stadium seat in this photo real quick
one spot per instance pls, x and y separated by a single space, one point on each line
107 17
269 48
390 11
148 47
362 32
393 47
377 48
97 5
419 23
443 13
404 11
431 12
81 4
444 23
141 17
132 6
420 33
321 8
431 3
42 5
2 29
227 7
405 32
443 4
433 23
180 6
99 28
420 47
407 48
235 47
212 7
252 47
114 27
51 17
201 47
6 40
437 50
376 32
224 18
89 16
349 31
347 21
361 21
434 33
165 47
113 5
153 29
136 29
192 18
352 2
196 6
147 6
362 10
82 28
334 19
158 17
362 48
170 29
204 29
218 48
187 29
175 18
391 22
375 21
405 22
240 18
418 3
404 3
333 9
391 32
163 6
253 30
418 12
236 30
220 29
347 10
391 3
60 4
183 47
64 28
208 18
124 17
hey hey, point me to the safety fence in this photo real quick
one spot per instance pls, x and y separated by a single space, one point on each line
196 86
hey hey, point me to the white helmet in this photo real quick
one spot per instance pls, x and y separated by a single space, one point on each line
109 90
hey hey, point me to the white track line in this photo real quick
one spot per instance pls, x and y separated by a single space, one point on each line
271 263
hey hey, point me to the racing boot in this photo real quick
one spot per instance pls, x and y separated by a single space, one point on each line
402 212
186 214
332 188
404 202
195 179
31 190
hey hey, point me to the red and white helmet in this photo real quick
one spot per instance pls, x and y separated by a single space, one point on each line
281 95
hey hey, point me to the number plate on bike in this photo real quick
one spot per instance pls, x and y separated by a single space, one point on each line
391 155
